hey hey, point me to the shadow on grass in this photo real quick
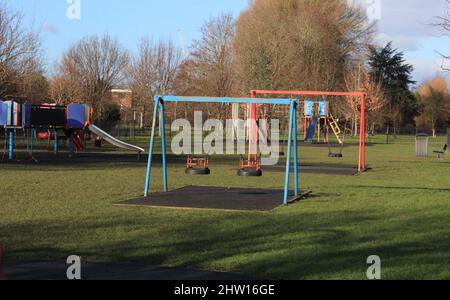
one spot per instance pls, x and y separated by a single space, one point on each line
402 188
276 246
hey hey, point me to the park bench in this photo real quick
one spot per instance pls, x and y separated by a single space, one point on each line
440 153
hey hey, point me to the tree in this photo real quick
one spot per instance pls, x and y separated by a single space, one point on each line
141 72
444 23
186 84
93 67
357 78
299 44
153 70
211 64
61 90
388 68
21 71
33 86
434 98
212 57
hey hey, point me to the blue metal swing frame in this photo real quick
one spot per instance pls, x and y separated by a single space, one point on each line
159 106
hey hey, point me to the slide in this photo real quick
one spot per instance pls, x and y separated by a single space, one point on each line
112 140
312 129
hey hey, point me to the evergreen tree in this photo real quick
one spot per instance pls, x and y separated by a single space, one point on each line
388 68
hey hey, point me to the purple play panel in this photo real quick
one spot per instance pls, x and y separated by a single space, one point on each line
76 116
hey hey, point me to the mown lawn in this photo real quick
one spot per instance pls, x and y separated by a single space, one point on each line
400 210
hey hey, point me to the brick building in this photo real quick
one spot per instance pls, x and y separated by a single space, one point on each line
123 98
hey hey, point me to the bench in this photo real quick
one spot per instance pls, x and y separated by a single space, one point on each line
440 153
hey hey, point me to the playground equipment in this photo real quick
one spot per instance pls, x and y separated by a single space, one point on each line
251 165
341 140
315 113
317 118
45 118
197 166
53 122
361 95
159 106
112 140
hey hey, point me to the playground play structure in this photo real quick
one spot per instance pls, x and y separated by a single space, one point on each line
68 122
312 118
317 114
250 165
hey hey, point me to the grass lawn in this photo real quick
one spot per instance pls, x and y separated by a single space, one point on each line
400 210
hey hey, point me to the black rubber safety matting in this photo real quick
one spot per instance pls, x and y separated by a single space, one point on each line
317 168
217 198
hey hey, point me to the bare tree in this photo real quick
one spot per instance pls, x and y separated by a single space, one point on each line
153 70
213 56
357 78
21 71
443 22
61 90
210 69
141 73
167 63
94 66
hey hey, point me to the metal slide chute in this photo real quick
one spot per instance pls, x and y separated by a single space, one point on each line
312 129
112 140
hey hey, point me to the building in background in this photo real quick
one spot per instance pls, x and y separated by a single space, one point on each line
123 98
130 117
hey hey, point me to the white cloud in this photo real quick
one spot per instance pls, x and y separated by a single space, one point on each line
405 43
404 21
425 69
410 17
408 24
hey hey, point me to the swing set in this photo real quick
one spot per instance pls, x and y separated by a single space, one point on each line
249 166
333 124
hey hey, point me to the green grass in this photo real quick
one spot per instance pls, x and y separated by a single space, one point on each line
399 211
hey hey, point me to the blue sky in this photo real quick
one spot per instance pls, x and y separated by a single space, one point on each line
402 21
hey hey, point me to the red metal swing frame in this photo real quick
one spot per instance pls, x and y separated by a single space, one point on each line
362 134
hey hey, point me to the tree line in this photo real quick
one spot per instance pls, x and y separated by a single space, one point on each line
273 44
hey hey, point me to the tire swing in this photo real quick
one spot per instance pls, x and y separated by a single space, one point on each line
251 167
197 166
339 154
